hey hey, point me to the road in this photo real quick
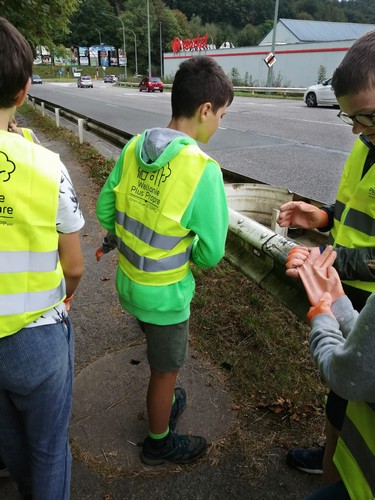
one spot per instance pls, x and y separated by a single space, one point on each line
280 142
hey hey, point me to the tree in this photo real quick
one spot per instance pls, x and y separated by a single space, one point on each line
39 21
322 73
249 35
91 16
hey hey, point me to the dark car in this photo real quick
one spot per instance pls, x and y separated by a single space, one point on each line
151 84
36 79
85 81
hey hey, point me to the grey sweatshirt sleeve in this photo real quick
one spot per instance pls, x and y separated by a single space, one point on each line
346 364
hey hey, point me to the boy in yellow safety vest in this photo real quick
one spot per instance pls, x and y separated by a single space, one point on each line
166 205
41 265
351 221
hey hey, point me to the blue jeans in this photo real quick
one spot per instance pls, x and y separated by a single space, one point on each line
36 379
335 491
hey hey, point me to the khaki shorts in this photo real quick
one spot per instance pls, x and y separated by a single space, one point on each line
167 345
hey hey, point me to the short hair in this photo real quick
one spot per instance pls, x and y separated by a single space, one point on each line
16 63
356 72
198 80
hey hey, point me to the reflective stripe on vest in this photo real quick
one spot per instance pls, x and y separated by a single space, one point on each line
16 303
354 215
355 451
146 235
20 262
151 265
157 250
31 277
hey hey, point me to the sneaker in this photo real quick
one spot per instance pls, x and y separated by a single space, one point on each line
3 469
308 460
178 407
178 449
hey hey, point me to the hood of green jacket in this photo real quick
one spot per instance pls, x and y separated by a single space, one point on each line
157 146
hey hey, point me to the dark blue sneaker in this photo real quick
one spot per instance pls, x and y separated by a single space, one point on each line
178 407
177 449
3 469
309 460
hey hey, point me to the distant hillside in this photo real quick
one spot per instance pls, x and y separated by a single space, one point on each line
240 13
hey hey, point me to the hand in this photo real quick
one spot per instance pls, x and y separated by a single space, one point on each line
301 214
67 302
320 277
99 254
323 307
297 257
12 127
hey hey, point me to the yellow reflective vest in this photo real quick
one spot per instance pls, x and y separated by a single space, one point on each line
154 249
355 451
26 132
354 215
31 277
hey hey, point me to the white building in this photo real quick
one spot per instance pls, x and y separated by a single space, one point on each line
301 48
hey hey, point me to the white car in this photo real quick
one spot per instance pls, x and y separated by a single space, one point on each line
321 94
85 82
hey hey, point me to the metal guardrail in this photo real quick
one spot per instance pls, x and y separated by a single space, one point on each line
111 134
251 90
253 248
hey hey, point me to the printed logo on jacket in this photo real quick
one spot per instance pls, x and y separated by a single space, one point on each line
147 189
7 167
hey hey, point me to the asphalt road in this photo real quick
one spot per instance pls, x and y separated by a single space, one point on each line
276 141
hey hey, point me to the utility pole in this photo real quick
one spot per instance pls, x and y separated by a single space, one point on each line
270 70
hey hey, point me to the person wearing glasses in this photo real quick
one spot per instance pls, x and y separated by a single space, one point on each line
350 220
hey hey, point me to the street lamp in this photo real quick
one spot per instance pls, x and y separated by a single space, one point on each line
123 37
161 50
148 38
135 51
100 36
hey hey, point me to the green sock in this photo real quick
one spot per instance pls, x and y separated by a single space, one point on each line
159 436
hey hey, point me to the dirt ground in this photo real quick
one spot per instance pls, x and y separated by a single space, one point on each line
101 327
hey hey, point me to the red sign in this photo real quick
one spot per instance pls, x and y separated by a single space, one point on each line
270 59
198 43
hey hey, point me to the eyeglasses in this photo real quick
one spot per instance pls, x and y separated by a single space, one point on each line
365 120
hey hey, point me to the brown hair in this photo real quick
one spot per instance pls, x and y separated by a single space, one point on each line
356 72
198 80
16 63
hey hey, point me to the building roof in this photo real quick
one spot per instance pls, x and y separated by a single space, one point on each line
325 31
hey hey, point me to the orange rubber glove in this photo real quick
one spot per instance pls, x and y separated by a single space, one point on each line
67 302
99 254
322 307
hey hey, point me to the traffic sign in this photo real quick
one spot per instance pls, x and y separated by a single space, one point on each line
270 59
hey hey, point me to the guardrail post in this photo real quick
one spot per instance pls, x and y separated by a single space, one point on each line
43 110
80 130
33 101
57 114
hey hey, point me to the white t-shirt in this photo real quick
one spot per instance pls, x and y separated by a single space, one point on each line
69 220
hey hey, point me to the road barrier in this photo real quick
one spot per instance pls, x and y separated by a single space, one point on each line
254 244
284 91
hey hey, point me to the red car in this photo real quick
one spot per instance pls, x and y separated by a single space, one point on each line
151 84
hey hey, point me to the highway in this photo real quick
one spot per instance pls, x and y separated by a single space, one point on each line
280 142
